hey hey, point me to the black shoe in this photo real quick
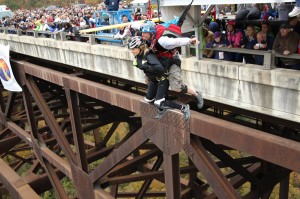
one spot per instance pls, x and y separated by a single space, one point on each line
186 111
160 113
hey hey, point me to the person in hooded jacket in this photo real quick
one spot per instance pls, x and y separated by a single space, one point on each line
158 83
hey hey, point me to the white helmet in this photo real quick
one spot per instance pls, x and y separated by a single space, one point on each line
135 42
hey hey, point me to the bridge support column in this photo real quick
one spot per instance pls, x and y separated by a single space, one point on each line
284 188
172 176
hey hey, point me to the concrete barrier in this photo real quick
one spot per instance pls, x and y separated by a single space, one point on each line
273 92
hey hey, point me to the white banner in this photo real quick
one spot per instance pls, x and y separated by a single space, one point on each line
7 77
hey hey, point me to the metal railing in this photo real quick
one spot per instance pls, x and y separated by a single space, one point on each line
269 55
269 58
63 36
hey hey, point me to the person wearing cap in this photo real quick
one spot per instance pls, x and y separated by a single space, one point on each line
218 42
105 22
214 26
234 38
286 42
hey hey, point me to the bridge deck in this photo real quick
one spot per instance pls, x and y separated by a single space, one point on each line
74 105
249 140
272 93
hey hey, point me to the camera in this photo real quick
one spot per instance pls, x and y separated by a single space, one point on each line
259 45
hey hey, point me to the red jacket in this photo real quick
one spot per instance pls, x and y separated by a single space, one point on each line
234 38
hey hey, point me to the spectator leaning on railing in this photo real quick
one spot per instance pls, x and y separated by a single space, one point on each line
286 42
234 38
261 44
248 42
39 25
206 37
218 42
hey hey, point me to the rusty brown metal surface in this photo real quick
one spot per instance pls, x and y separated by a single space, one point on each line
8 177
206 165
51 122
266 146
83 183
58 110
284 188
122 152
199 123
73 104
172 176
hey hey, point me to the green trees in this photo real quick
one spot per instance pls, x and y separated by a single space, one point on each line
12 4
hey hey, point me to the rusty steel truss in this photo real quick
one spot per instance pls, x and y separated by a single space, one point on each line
53 128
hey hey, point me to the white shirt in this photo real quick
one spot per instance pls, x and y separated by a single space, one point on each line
171 43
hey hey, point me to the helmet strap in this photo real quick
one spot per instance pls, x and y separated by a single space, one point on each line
152 35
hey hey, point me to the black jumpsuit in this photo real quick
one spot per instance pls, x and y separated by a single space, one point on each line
159 84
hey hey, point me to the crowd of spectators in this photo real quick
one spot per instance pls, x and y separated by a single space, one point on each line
261 37
69 19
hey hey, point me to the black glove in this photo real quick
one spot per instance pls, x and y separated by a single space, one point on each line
144 66
147 69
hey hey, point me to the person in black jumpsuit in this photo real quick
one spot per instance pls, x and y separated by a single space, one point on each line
158 84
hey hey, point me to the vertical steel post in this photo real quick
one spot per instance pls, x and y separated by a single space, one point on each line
284 188
35 34
172 176
198 29
92 39
197 17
